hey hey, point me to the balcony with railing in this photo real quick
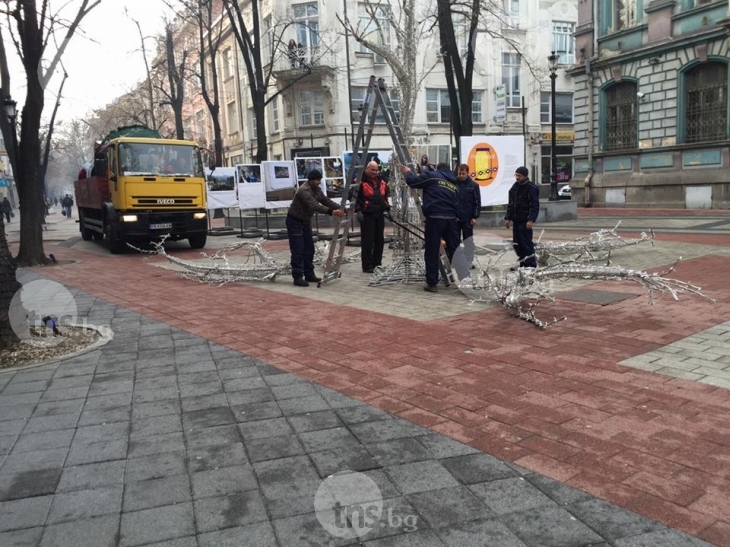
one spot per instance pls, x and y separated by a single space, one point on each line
305 60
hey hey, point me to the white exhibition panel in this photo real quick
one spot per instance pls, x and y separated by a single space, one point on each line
251 188
492 161
221 188
280 182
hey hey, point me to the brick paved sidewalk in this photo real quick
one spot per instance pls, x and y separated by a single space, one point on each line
164 438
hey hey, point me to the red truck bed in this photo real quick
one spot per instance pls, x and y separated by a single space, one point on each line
92 192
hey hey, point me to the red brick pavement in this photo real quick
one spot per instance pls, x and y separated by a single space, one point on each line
554 401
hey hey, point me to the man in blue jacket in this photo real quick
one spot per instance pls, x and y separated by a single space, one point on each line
441 208
522 210
470 199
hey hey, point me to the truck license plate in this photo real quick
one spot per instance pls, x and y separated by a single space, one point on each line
161 226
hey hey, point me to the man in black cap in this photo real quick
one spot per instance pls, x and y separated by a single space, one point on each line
308 200
522 210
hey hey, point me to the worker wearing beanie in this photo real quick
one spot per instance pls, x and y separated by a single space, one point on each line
522 210
308 200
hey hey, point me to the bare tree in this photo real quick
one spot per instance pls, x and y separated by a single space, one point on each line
172 88
148 72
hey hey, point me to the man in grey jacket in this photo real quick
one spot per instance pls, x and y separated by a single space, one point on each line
308 200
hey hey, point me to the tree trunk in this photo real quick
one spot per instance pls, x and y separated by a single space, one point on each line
262 148
217 138
8 287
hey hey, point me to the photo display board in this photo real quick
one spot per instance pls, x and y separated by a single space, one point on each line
334 176
251 190
280 183
492 161
221 187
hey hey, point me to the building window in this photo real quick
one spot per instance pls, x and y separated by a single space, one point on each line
461 33
563 107
563 163
252 123
706 103
476 107
232 117
511 13
311 105
438 106
620 129
563 42
374 26
358 97
306 22
511 79
201 133
275 115
227 68
620 14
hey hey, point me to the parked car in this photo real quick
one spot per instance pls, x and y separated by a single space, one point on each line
564 192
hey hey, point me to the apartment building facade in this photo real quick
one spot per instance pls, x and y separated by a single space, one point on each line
652 108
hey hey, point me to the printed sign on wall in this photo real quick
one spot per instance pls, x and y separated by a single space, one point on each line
492 161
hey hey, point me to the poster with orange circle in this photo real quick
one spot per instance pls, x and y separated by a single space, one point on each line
483 163
492 160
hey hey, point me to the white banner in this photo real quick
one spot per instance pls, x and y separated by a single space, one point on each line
251 191
221 187
492 161
280 182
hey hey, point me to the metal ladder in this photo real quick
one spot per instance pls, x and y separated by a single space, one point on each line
376 99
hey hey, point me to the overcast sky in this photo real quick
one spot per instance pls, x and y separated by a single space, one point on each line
104 60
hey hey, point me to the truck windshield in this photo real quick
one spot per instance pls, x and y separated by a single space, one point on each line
159 159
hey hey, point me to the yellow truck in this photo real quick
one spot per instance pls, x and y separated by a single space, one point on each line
143 187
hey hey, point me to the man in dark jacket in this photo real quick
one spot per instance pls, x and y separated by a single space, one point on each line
522 210
441 208
470 200
308 200
6 208
371 206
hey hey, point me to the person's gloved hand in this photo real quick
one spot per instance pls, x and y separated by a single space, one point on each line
360 217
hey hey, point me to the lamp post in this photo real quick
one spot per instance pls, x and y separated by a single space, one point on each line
11 111
553 64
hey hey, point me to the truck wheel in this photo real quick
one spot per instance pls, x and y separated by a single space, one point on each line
86 233
115 246
98 236
198 241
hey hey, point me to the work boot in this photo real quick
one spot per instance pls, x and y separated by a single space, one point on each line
312 278
431 288
301 282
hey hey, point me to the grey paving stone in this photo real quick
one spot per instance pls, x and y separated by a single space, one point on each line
12 427
266 369
211 436
661 538
155 371
108 388
71 381
610 521
239 372
30 461
361 413
63 394
265 428
198 377
86 504
95 532
59 407
422 538
245 384
191 404
25 513
315 421
328 439
90 476
195 390
97 452
560 493
250 396
159 394
51 423
189 541
509 495
550 527
156 408
443 447
105 432
157 524
37 374
156 425
256 411
144 446
271 448
398 451
287 477
302 405
23 399
155 466
284 379
200 366
156 493
33 442
448 506
412 429
420 476
26 484
382 430
220 482
479 533
304 530
259 534
16 388
209 417
293 391
105 416
228 511
76 370
108 401
6 443
18 411
475 468
397 517
329 462
155 382
29 537
213 457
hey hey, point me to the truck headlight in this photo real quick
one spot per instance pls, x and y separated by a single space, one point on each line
129 218
198 216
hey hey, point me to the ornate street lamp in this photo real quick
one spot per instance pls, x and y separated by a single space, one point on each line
553 64
11 109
